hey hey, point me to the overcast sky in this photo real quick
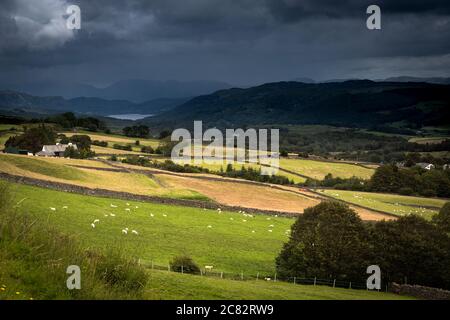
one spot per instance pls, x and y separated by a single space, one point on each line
237 41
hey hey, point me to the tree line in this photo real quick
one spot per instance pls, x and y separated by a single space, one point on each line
330 241
392 179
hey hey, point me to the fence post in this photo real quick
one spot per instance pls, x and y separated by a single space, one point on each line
294 280
242 275
168 267
182 270
315 278
152 264
334 283
139 261
350 286
221 275
201 272
257 276
275 278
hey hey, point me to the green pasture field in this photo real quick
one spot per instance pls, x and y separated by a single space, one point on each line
391 203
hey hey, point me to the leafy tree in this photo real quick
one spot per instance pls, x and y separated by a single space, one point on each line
413 250
327 241
33 139
139 131
83 142
147 149
442 219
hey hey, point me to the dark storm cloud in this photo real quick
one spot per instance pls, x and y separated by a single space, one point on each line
239 41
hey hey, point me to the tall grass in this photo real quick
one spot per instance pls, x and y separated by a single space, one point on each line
34 257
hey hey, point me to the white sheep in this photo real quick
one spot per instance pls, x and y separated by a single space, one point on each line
134 232
267 279
243 220
113 206
152 215
65 207
106 215
128 204
124 231
164 215
92 225
96 220
253 231
271 226
270 230
53 209
112 214
209 268
210 226
127 209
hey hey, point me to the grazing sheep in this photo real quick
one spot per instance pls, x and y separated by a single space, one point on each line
112 214
136 207
92 225
209 268
243 220
164 215
271 226
53 209
106 215
134 232
113 206
210 226
65 207
253 231
152 215
267 218
267 279
124 231
128 204
96 220
270 230
231 219
127 209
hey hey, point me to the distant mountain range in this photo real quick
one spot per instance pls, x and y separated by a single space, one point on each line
355 103
21 103
437 80
134 90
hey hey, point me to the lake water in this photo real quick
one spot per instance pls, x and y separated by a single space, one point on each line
130 116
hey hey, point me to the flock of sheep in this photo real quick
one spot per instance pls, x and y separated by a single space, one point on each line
126 230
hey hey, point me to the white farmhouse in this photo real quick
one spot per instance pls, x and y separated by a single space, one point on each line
56 150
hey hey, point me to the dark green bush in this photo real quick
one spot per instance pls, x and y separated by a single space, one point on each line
184 264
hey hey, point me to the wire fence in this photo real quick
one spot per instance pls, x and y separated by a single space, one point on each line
335 283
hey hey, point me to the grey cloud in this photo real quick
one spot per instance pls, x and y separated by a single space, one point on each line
238 41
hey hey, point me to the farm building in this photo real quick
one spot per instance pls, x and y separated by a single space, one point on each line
426 166
56 150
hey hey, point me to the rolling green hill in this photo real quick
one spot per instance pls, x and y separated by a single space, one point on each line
361 103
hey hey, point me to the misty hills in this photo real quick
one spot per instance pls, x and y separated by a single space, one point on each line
22 103
135 90
355 103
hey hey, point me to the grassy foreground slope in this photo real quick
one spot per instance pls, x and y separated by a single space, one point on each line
224 240
32 264
165 285
392 203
